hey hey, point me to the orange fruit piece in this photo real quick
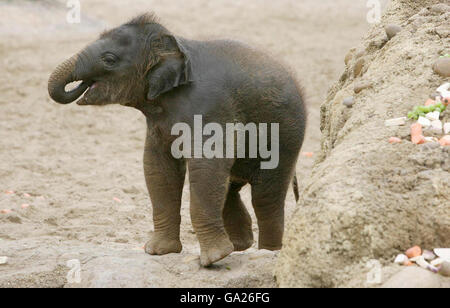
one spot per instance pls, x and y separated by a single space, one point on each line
417 134
413 252
446 101
445 141
393 140
430 102
407 263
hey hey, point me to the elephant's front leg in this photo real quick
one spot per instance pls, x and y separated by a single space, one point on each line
165 179
209 182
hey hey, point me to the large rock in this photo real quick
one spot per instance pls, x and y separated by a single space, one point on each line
72 264
415 277
368 199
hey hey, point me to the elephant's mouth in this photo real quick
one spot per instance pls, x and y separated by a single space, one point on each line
91 95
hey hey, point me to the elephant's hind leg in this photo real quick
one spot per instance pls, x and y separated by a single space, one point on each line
268 197
238 222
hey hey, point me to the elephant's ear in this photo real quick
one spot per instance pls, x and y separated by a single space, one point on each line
173 69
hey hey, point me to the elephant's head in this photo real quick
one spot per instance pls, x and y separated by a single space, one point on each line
128 65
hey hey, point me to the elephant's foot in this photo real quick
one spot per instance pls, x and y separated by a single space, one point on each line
271 248
216 251
161 245
242 244
241 237
270 240
238 222
239 229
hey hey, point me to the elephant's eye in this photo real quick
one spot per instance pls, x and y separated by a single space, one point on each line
109 59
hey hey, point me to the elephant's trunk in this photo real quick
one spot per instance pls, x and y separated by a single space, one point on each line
62 76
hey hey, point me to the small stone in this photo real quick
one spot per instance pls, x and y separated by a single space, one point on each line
431 140
423 12
349 56
447 128
428 255
362 86
392 30
395 122
424 122
443 31
3 260
415 259
348 102
442 67
434 95
443 253
15 219
425 265
437 262
357 68
432 143
436 127
433 116
401 259
440 8
444 90
445 269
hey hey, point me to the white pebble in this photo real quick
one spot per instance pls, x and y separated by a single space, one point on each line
443 90
445 269
428 255
424 122
443 253
437 262
395 122
431 139
3 260
447 128
424 264
436 127
400 259
433 116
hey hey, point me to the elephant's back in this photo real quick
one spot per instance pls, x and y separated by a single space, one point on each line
259 81
245 70
260 88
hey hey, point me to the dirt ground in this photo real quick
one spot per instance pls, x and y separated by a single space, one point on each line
72 177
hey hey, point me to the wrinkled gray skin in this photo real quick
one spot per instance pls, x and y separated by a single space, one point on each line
170 79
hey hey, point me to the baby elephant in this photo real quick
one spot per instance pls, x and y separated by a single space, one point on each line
176 82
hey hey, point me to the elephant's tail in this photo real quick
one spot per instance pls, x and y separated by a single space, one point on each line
295 184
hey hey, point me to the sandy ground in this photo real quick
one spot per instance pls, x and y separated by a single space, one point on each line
76 173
